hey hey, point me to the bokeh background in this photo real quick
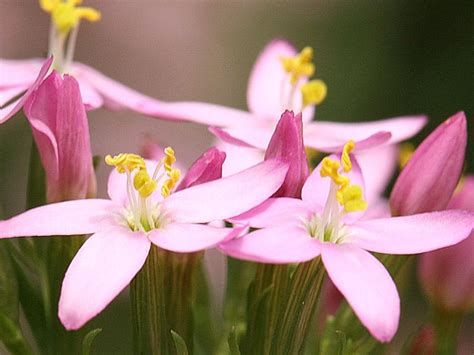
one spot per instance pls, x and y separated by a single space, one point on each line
379 59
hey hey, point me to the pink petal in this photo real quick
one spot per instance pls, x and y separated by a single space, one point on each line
327 136
316 189
117 95
366 285
256 135
277 245
101 269
226 197
378 166
90 97
275 212
17 105
238 158
188 238
14 72
412 234
7 94
63 218
266 79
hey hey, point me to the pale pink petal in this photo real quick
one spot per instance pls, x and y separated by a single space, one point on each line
378 167
367 287
117 96
264 98
9 93
17 105
238 158
15 72
316 189
275 212
226 197
379 208
327 136
101 269
188 238
90 97
63 218
277 245
256 135
412 234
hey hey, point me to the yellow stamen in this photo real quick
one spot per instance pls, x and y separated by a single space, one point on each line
314 92
169 159
168 185
143 183
299 66
353 199
405 154
66 14
126 162
330 168
345 158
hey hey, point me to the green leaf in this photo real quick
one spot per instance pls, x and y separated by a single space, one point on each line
233 342
10 334
36 191
181 348
88 339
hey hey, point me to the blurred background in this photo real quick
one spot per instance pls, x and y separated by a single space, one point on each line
379 59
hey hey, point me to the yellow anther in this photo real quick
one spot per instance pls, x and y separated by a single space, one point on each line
126 162
143 183
314 92
345 157
169 159
330 168
300 65
66 15
405 154
168 185
352 199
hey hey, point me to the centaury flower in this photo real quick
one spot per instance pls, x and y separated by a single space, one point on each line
17 76
279 81
142 209
327 222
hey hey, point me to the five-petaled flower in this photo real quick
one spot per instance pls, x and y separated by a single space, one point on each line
327 221
142 209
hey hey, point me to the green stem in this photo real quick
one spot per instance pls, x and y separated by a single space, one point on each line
446 325
294 320
151 330
269 291
180 277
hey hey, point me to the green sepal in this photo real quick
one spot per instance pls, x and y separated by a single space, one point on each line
12 337
88 340
233 342
179 343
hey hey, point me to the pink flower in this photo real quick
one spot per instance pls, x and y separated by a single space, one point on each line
97 90
428 180
61 132
272 90
327 221
447 275
124 227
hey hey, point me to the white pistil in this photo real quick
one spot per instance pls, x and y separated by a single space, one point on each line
71 46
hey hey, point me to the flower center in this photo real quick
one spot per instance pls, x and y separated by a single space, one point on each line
144 214
343 198
298 67
65 18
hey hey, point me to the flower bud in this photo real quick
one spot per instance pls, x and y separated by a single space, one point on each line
207 167
287 144
428 180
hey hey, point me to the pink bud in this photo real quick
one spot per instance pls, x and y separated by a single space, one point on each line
428 180
59 123
447 275
207 167
287 143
